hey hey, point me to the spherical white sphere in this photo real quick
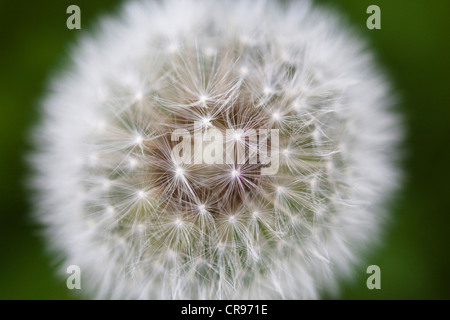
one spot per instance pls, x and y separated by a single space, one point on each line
140 224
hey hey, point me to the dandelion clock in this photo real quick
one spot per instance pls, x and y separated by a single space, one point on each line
215 150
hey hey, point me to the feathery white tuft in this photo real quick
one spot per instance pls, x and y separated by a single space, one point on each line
139 225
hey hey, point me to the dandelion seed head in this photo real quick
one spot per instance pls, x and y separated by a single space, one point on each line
144 226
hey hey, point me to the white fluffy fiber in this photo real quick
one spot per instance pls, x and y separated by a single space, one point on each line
111 200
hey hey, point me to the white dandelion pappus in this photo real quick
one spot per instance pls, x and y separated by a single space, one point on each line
143 226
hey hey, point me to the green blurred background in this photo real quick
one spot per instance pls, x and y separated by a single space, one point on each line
414 47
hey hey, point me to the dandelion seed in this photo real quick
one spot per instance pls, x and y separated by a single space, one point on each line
110 210
106 184
209 52
141 194
139 96
138 140
267 91
172 48
179 172
276 116
244 71
132 162
206 122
